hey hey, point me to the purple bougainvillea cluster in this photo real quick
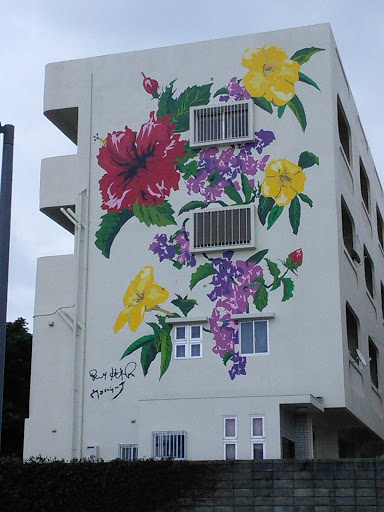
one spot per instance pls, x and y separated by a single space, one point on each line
236 91
174 248
231 292
220 169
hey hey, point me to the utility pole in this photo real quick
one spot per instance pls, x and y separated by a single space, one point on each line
8 132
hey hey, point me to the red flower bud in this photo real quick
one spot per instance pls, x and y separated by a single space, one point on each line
150 85
296 257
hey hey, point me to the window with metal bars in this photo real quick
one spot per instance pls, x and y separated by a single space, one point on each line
229 227
221 124
128 451
169 444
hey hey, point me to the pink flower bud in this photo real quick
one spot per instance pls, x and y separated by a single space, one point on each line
150 85
296 257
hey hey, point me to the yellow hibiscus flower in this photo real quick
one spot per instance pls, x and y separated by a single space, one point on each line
283 181
142 295
271 74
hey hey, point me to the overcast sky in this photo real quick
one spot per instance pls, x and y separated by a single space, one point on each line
36 32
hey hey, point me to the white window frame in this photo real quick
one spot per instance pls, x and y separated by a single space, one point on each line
131 449
188 341
223 111
226 212
229 440
171 436
257 439
253 321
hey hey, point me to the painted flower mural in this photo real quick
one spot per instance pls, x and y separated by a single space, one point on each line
283 181
271 80
272 75
140 168
144 169
142 295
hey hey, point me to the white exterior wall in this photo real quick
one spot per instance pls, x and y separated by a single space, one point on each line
306 358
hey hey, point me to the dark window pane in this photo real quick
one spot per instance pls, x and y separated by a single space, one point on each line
261 337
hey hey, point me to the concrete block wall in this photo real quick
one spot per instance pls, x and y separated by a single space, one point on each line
348 485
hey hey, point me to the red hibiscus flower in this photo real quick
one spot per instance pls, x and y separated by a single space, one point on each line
140 167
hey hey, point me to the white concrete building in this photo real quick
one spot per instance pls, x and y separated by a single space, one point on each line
225 297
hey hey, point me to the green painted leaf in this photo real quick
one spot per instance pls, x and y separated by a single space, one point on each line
280 111
192 205
306 199
166 352
223 90
260 299
302 56
111 223
166 101
289 286
177 265
166 327
233 194
148 355
273 268
307 159
161 215
155 327
191 97
144 340
227 357
258 279
264 104
276 283
185 305
264 207
188 170
202 272
258 256
274 214
307 80
247 189
297 108
294 215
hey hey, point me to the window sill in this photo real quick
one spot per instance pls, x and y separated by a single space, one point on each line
375 390
366 213
347 163
356 365
350 261
187 320
250 316
371 300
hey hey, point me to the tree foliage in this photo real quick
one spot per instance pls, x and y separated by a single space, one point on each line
16 386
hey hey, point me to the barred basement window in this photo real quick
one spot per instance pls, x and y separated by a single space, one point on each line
222 124
169 443
228 227
128 451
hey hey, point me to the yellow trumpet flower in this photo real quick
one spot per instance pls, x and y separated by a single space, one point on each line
271 74
283 181
142 295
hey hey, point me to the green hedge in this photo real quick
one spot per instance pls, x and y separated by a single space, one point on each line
117 486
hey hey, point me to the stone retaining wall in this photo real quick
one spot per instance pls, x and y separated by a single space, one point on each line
344 485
